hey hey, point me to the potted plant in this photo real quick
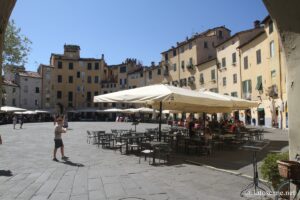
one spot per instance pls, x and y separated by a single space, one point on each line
269 168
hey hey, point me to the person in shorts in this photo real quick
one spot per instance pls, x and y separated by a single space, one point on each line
58 139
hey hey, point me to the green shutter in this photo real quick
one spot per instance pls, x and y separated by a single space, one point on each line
259 83
250 86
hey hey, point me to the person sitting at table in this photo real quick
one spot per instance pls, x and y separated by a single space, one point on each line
207 135
190 125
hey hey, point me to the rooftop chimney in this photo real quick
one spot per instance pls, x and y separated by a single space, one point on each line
152 64
256 24
102 56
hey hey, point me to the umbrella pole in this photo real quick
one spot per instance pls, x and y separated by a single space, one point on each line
159 126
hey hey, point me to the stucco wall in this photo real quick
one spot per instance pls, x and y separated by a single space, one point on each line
287 16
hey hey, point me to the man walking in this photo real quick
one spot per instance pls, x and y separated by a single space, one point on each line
58 140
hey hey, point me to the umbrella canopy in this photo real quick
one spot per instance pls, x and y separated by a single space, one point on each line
11 109
146 110
172 98
237 103
43 111
111 110
28 112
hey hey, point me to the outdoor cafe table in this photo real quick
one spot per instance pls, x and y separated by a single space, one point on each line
154 145
127 140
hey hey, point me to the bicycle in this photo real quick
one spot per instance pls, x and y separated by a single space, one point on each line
291 171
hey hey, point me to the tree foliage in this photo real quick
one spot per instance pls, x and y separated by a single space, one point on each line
16 46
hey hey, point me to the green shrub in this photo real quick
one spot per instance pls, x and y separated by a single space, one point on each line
269 168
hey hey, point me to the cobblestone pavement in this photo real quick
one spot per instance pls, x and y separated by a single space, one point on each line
95 173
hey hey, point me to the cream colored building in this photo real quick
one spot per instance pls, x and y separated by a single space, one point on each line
181 61
263 76
47 99
229 61
75 80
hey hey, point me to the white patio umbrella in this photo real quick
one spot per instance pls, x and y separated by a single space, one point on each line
169 97
43 111
111 110
238 103
28 112
11 109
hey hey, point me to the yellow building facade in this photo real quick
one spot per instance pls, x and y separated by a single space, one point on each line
264 78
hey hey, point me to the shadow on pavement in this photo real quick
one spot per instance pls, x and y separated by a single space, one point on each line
230 158
5 173
68 162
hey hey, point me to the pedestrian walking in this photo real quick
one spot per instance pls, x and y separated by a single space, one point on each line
58 139
21 121
14 121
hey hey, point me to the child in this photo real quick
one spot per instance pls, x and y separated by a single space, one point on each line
58 140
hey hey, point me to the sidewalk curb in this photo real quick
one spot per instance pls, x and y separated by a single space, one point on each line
224 170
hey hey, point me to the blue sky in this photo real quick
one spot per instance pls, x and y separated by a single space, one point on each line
122 29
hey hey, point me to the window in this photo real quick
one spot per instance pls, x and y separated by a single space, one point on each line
166 56
205 45
258 56
70 96
272 50
270 27
182 49
37 90
123 69
71 66
150 74
88 96
158 71
190 45
14 90
224 81
59 94
213 74
78 74
259 84
234 58
273 73
174 52
174 67
182 64
59 65
89 66
220 34
89 79
14 102
191 61
96 93
234 78
96 66
247 88
246 62
96 80
125 81
121 81
59 79
70 79
141 74
234 94
36 102
223 62
201 78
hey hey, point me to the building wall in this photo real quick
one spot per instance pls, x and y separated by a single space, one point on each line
272 71
29 97
11 95
230 69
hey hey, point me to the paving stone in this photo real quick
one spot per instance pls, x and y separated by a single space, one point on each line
94 173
